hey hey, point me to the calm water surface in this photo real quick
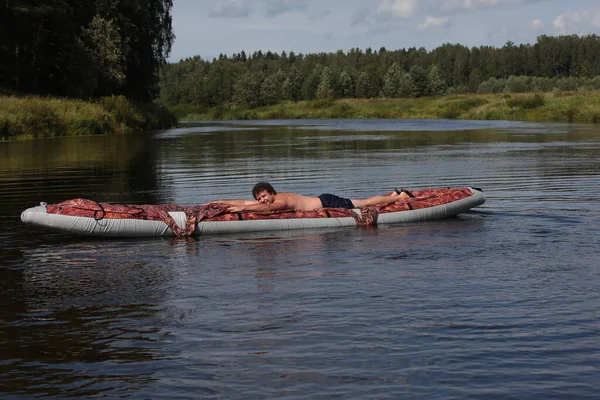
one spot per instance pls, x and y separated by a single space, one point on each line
502 302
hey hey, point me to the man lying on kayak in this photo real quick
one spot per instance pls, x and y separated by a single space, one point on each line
267 199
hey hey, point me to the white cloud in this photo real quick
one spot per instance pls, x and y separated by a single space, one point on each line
560 23
576 21
307 25
399 8
452 5
434 22
536 24
231 8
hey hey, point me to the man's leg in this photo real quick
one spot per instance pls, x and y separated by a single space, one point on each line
393 197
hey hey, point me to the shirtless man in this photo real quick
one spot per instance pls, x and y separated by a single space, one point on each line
267 199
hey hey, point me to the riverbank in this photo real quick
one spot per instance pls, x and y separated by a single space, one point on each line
36 117
583 107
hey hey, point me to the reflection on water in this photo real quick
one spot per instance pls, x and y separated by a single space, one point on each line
497 303
82 304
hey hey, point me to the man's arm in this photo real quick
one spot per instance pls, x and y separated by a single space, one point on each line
233 202
256 206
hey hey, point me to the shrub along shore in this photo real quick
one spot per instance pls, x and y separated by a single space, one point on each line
37 117
580 107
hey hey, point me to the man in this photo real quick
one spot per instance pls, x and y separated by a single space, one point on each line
267 199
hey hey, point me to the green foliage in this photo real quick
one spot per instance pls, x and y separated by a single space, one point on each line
84 49
319 104
181 111
555 106
435 84
6 129
276 113
35 117
40 119
271 88
492 85
291 85
518 84
420 81
105 45
475 79
455 108
392 80
346 85
311 83
246 90
324 90
572 114
541 84
364 86
526 102
341 110
407 87
123 111
568 84
155 116
552 64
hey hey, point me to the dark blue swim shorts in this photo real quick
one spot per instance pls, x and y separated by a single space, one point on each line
333 201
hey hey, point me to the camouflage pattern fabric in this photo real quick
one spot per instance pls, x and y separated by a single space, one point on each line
99 211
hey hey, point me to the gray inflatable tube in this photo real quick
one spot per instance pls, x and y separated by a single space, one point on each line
144 228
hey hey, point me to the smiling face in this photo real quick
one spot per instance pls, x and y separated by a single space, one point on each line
265 197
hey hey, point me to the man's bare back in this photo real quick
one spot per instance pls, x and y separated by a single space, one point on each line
295 201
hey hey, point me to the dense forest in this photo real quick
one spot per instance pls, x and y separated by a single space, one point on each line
251 80
84 48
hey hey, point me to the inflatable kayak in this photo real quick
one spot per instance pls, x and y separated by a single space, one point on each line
87 217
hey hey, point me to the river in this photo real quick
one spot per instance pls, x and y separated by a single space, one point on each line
501 302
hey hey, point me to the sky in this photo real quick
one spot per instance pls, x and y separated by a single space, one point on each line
207 28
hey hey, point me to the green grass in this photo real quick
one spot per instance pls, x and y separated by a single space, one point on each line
581 107
37 117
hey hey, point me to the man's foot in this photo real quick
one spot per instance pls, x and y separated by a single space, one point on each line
403 194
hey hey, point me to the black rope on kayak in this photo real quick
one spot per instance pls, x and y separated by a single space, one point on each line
239 215
101 210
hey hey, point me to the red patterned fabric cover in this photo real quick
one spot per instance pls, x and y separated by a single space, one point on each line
216 212
99 211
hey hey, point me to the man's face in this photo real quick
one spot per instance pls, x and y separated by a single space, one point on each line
264 197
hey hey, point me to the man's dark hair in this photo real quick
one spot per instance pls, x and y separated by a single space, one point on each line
260 186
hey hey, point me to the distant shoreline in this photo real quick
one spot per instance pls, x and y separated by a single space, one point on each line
37 117
580 107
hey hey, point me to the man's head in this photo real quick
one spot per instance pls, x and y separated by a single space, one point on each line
262 187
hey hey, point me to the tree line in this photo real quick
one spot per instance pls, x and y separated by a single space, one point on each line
84 48
251 80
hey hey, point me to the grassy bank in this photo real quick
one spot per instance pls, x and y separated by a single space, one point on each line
555 106
35 117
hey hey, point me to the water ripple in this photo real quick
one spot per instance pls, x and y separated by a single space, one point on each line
498 303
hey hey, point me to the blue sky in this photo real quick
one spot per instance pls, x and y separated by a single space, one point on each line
207 28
